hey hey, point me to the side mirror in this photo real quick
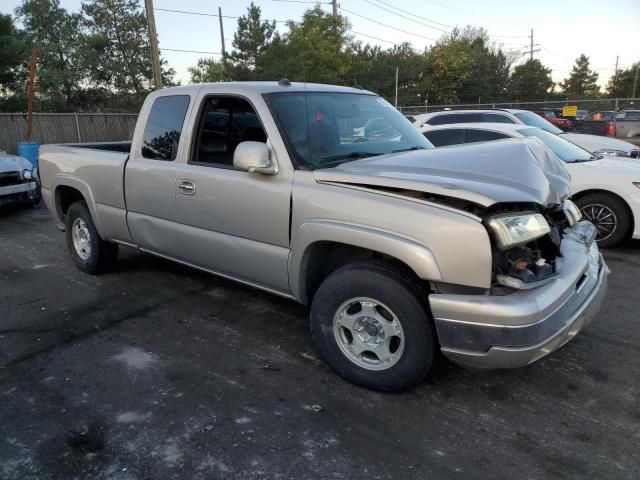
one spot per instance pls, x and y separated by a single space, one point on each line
253 157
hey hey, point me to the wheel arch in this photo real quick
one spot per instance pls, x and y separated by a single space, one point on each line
320 248
69 190
601 191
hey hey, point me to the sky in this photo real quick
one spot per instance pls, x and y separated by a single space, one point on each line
563 29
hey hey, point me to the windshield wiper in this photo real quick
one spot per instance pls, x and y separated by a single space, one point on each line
408 149
354 155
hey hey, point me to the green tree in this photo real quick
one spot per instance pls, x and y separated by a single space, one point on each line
13 54
464 66
620 84
581 82
375 69
118 50
530 81
318 49
207 70
58 37
250 41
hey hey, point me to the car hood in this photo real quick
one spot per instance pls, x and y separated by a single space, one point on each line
626 166
593 143
12 163
487 173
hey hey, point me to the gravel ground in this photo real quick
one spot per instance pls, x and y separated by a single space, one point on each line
157 371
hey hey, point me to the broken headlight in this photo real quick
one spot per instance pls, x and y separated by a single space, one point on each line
516 229
572 212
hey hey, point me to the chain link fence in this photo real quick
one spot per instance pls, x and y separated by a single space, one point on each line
66 128
592 116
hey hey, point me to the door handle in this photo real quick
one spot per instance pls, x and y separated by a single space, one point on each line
187 187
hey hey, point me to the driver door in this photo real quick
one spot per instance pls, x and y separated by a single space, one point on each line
234 223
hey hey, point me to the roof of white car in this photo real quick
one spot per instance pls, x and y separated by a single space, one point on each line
513 129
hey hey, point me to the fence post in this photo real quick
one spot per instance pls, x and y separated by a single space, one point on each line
78 128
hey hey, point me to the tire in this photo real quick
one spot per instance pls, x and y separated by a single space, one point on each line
89 252
607 208
397 301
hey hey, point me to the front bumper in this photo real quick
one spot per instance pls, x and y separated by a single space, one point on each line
517 329
21 192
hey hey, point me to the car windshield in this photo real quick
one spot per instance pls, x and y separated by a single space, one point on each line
564 149
533 120
326 129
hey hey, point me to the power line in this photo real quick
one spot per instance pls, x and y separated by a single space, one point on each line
388 26
404 16
373 38
429 20
190 51
415 15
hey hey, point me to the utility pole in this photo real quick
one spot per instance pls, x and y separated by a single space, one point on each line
615 74
224 51
396 87
635 81
31 93
531 50
334 4
153 40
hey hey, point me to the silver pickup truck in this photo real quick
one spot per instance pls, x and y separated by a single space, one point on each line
328 196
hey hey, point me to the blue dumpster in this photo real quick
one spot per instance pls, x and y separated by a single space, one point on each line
29 150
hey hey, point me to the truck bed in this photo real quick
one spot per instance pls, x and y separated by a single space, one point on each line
96 170
122 147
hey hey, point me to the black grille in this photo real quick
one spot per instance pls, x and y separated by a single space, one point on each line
9 178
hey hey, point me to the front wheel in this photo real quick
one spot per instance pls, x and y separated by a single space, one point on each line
370 324
88 251
608 214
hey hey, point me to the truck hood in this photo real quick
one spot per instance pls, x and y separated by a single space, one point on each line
505 171
593 143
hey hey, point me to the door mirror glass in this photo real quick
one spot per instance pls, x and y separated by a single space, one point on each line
252 157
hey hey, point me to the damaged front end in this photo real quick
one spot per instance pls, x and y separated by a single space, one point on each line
526 244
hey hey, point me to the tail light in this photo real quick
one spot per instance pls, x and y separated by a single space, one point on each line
610 130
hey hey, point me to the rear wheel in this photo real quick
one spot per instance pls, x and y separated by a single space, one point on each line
370 324
88 251
609 214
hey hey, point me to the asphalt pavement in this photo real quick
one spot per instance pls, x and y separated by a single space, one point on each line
157 371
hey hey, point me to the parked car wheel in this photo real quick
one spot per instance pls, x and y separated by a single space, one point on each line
89 252
371 325
610 216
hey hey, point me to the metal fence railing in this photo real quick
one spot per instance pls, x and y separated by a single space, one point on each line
593 116
66 128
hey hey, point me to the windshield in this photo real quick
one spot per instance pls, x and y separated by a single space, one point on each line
567 151
326 129
534 120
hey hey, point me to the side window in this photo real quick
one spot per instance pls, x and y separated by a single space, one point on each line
484 136
449 118
164 125
496 118
442 138
224 123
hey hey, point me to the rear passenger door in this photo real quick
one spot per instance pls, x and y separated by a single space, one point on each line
150 175
232 222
